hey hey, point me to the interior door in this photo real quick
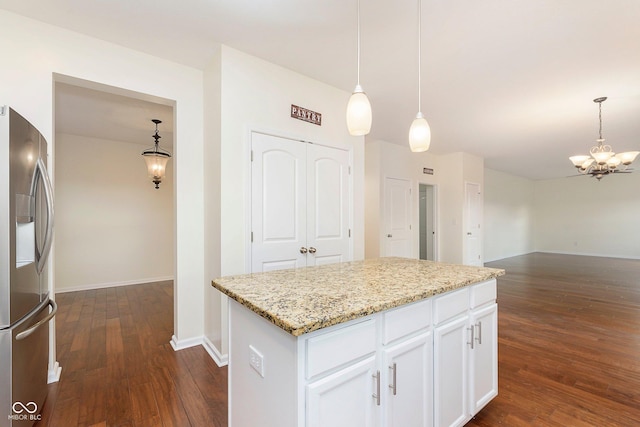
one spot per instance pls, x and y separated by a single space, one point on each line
473 206
327 205
300 195
278 203
397 218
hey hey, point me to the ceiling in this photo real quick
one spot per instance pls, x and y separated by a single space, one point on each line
511 81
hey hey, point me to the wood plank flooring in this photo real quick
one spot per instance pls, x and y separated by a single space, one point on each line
120 370
568 343
569 352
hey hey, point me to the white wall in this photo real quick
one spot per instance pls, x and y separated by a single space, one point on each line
386 160
112 226
257 95
568 215
451 171
583 216
509 215
32 52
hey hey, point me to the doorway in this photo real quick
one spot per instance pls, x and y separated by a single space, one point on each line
427 211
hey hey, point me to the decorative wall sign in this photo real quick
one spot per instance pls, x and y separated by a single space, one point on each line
427 171
306 115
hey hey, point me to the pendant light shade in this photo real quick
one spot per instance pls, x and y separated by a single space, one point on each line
359 115
419 134
156 159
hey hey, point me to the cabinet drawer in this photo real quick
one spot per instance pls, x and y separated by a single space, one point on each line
339 347
450 305
405 320
483 293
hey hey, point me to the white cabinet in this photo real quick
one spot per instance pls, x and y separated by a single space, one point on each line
409 366
465 353
343 399
409 385
392 386
451 373
484 357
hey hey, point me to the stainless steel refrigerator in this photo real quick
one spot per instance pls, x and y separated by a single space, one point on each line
26 231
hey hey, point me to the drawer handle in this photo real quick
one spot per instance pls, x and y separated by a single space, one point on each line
376 395
392 386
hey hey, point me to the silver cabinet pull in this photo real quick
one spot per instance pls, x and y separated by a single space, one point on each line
312 250
389 235
471 342
303 250
376 395
479 337
392 386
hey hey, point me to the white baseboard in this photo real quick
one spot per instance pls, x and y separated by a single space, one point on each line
220 359
112 284
54 374
182 344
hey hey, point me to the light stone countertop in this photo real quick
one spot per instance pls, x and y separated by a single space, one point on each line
307 299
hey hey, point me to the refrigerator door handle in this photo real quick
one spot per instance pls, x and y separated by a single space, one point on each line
54 309
41 171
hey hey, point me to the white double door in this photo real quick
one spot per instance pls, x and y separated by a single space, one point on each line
299 204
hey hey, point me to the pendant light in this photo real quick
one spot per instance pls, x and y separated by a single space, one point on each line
156 159
359 107
419 132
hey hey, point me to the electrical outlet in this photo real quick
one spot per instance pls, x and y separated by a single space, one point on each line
256 360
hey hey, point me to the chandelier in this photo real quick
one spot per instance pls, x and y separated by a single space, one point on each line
602 160
156 159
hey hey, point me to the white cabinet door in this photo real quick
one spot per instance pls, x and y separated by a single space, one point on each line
327 205
344 399
484 357
409 385
278 203
450 373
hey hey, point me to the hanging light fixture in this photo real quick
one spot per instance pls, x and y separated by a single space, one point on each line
359 108
419 132
603 160
156 159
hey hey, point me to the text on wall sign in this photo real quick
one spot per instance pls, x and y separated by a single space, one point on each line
306 115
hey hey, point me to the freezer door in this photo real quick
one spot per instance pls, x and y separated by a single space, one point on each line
29 358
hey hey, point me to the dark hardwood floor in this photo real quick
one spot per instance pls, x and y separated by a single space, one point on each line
569 352
568 343
119 368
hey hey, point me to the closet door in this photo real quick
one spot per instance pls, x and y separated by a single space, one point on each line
278 203
327 205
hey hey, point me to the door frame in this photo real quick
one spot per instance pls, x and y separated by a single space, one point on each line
250 130
436 223
412 216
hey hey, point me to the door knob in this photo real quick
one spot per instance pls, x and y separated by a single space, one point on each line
468 233
389 235
312 250
303 250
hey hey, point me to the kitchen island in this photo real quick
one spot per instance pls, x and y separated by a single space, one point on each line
389 341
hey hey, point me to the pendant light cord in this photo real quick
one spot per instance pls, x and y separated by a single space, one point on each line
419 55
358 82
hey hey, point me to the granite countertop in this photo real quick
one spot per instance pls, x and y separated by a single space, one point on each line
306 299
